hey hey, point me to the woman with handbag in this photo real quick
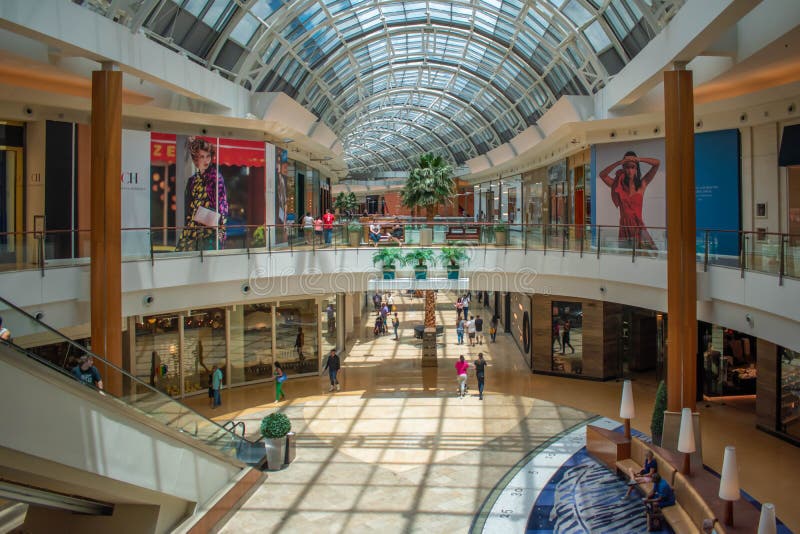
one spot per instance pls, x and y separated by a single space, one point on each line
280 378
206 201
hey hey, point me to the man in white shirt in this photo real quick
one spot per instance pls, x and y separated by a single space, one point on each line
308 228
471 330
390 302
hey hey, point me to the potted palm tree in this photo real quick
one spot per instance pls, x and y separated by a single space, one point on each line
274 428
389 257
354 233
451 257
500 234
419 259
429 185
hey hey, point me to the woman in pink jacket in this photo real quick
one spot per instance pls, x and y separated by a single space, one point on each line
461 370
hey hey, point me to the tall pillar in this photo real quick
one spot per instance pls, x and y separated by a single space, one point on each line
106 220
681 231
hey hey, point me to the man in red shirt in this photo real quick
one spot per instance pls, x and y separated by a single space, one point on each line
327 226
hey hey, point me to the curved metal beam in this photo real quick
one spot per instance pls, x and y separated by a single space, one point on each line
414 125
365 135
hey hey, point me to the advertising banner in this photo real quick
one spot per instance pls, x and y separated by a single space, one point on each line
212 189
629 194
717 179
135 194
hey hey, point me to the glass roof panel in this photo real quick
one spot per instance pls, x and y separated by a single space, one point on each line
467 75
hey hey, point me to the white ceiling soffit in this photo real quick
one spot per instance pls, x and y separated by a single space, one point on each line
278 107
501 154
527 139
476 165
86 34
695 27
567 109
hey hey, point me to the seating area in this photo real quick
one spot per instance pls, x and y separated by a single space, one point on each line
695 495
463 233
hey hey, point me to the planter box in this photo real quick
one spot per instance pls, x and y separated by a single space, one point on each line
291 448
500 239
355 239
389 275
275 452
420 274
452 273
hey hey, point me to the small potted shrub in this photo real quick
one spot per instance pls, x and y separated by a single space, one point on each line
452 257
259 238
419 259
500 234
354 233
389 257
657 421
274 428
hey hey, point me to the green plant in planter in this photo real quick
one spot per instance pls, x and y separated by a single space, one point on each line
657 421
354 227
389 257
275 426
259 237
501 228
354 232
500 234
452 257
419 259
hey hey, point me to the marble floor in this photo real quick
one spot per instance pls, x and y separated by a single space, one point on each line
397 450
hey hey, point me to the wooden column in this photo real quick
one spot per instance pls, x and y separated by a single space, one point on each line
106 220
681 263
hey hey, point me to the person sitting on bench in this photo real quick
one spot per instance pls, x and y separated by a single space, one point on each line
662 495
374 233
389 237
643 476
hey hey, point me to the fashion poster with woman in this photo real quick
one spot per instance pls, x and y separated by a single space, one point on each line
629 194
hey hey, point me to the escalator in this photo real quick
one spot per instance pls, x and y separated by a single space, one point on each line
120 386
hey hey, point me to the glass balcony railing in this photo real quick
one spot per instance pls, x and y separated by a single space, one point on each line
772 253
64 355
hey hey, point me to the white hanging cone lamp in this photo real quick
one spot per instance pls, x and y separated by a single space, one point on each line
626 408
686 443
766 524
729 482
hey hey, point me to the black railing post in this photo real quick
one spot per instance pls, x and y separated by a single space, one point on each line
782 262
269 239
564 232
545 232
599 240
152 256
633 249
581 240
525 241
742 254
705 253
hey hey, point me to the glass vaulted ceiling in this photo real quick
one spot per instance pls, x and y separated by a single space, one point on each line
394 79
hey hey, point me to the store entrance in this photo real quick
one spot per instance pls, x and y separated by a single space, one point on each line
728 362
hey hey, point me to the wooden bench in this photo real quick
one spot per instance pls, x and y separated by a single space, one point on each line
690 508
463 233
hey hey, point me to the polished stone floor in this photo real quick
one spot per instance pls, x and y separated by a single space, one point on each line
397 450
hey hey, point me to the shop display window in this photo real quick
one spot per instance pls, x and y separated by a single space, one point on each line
157 357
789 422
250 351
203 348
729 361
329 324
296 336
567 337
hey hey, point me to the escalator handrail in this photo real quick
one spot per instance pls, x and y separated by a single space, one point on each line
84 350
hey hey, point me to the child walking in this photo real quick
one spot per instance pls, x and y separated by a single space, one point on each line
280 378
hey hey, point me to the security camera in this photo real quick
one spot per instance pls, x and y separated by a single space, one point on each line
28 111
203 131
602 289
148 126
749 319
245 288
39 316
148 300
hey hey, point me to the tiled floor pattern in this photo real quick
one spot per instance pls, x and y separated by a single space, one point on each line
397 451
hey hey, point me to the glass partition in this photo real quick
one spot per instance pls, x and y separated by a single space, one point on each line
729 361
567 337
156 358
204 347
328 320
250 350
789 422
296 336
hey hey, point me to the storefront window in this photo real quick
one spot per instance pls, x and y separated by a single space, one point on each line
157 355
567 338
204 347
729 361
790 392
296 336
329 324
250 352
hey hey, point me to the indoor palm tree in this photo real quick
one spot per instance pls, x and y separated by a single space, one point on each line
389 257
452 257
419 260
429 185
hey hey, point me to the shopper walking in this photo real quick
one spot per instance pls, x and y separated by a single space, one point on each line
396 325
462 366
280 378
327 226
493 328
216 384
471 331
465 305
308 228
479 329
459 308
480 373
333 365
460 330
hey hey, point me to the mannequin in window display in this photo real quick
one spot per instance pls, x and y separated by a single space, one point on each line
206 201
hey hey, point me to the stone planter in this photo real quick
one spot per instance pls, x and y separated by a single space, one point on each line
452 272
425 236
291 448
420 273
500 239
355 239
275 452
389 274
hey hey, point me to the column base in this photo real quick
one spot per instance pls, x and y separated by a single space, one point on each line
429 358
